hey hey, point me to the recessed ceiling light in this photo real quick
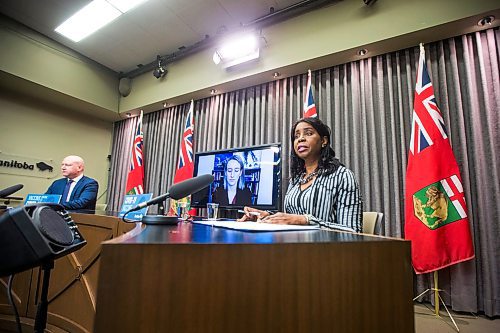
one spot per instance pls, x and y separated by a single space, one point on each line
94 16
276 74
165 104
213 91
128 114
487 20
87 20
362 52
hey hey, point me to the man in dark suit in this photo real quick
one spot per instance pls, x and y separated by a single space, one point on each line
78 192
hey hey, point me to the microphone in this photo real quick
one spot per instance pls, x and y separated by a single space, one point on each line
10 190
179 191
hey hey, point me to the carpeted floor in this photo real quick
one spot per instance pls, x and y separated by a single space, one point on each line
427 322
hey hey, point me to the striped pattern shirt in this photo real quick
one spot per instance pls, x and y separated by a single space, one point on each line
332 201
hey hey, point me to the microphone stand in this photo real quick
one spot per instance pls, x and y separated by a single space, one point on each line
161 208
41 312
160 219
6 201
177 191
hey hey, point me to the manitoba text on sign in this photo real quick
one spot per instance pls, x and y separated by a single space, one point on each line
27 166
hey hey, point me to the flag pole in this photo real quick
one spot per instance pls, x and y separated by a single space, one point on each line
437 299
436 294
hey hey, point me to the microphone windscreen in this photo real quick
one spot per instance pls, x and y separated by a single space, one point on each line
190 186
10 190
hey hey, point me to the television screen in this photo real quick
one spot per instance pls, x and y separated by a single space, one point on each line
247 176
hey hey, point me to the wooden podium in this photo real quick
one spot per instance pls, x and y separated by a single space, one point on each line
196 278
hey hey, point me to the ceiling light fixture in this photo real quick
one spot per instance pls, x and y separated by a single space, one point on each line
276 74
362 52
94 16
237 50
159 71
213 91
125 5
487 20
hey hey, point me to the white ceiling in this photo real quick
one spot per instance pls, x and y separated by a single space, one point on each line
156 27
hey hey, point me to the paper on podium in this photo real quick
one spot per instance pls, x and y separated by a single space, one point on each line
255 226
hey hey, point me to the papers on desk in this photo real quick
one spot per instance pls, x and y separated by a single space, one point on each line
255 226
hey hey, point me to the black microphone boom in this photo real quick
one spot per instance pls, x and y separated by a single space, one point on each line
179 190
10 190
190 186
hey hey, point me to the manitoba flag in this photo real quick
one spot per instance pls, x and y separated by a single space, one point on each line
185 164
135 178
436 219
309 106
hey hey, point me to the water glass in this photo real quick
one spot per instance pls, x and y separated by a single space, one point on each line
212 211
183 209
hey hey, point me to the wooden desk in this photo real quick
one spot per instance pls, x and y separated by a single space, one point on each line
195 278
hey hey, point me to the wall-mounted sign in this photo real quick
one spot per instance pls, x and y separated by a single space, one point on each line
28 166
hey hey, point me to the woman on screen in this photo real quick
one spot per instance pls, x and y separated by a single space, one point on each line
234 191
321 191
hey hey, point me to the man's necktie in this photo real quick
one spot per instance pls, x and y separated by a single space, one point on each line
66 191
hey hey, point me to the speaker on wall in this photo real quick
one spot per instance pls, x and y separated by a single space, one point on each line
33 234
125 86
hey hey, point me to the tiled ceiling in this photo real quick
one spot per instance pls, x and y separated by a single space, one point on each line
156 27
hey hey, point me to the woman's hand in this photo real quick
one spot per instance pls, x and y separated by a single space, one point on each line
284 218
252 214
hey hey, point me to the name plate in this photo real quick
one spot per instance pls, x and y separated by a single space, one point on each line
42 198
132 200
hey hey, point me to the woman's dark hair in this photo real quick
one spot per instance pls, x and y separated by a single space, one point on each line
327 163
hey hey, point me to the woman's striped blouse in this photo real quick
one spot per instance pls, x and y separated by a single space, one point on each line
332 201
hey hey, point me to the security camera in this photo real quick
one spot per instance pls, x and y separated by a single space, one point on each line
159 72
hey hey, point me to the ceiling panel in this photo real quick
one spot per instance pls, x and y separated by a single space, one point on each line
155 27
246 11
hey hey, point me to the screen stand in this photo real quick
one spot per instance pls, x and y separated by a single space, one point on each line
160 219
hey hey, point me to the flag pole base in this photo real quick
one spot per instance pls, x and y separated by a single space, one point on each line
160 220
437 299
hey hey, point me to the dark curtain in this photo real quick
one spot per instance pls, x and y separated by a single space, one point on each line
368 105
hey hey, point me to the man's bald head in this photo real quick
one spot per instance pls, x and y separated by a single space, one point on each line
72 166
